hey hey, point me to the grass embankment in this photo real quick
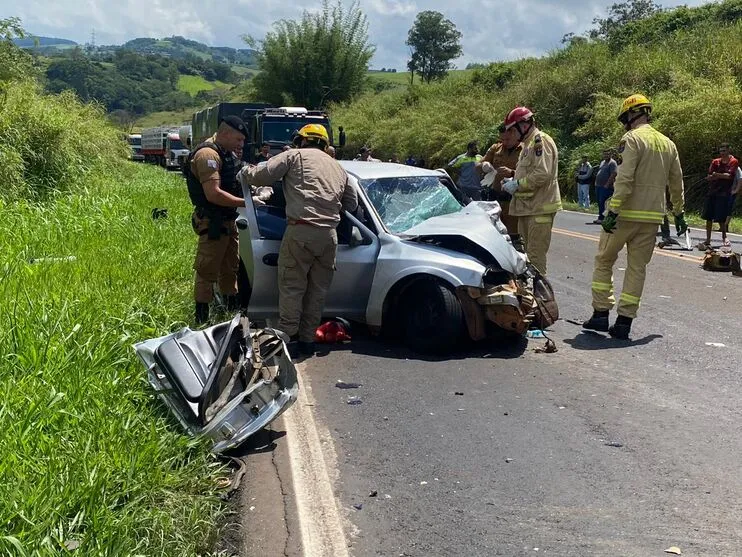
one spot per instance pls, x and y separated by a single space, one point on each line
687 60
89 455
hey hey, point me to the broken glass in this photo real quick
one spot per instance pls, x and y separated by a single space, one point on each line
405 202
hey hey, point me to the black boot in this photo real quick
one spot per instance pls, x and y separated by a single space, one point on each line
621 328
306 348
202 313
233 302
598 322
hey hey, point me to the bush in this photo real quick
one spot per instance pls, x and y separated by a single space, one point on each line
49 143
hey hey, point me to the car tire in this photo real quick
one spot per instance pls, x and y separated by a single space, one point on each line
433 318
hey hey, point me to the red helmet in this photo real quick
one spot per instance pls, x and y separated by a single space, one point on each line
518 114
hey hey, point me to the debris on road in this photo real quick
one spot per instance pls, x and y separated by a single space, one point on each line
675 550
52 259
331 332
548 348
459 393
423 483
509 460
354 400
373 493
357 506
613 444
716 344
343 385
535 333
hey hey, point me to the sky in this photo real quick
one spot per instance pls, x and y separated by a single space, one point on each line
492 29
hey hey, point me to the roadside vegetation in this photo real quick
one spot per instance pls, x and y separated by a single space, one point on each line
92 463
686 59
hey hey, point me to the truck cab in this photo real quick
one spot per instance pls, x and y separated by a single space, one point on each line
278 126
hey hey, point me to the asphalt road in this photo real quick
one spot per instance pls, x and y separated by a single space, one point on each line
603 448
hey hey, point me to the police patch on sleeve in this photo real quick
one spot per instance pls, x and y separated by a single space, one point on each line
211 163
622 146
538 146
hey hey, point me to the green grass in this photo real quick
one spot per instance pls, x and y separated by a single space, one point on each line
692 218
164 118
403 78
193 84
88 454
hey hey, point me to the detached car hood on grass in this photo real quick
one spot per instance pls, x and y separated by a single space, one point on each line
474 224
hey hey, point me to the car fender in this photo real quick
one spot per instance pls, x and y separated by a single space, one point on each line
399 260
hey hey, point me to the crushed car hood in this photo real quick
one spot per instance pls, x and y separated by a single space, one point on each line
475 225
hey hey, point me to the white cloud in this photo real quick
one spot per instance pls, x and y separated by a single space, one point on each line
492 29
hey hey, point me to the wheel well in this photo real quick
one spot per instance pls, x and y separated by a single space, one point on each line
391 304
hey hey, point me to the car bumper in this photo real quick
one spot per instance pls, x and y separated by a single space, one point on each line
508 306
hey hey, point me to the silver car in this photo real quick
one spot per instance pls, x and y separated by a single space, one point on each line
417 260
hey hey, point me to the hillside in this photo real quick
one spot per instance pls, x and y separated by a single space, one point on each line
32 42
686 59
180 47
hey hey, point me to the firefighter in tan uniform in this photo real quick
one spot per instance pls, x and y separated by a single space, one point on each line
211 172
502 158
534 187
650 164
316 190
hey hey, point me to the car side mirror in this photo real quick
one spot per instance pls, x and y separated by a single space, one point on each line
356 238
241 223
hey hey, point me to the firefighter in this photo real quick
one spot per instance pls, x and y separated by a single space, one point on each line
215 193
502 158
650 164
316 190
534 187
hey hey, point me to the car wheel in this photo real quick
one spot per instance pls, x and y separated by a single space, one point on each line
433 318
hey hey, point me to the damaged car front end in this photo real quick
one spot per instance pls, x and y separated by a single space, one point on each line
225 382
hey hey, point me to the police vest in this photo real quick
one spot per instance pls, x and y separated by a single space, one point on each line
227 181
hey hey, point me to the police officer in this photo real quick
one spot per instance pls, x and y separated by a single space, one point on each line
316 189
216 195
534 187
502 159
650 164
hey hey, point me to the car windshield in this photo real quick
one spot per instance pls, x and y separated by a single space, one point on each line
406 202
280 132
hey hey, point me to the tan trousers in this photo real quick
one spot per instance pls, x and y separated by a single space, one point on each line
639 239
510 222
536 233
306 264
216 260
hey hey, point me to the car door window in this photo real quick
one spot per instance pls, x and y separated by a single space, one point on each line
271 217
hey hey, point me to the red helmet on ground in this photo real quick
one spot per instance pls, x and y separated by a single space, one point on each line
518 114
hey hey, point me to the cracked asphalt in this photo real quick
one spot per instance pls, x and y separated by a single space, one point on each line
603 448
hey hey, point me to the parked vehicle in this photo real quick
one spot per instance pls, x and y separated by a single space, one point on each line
135 142
162 146
185 134
224 382
418 259
265 123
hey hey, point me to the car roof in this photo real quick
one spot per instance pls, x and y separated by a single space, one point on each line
364 170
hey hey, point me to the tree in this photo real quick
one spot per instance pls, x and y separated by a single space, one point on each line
321 58
619 15
434 42
15 63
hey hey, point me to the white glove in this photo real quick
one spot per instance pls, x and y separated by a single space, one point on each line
487 167
264 193
510 185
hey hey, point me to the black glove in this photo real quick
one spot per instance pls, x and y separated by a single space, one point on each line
609 222
681 227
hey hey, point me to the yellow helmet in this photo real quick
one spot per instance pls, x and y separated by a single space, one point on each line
315 131
634 102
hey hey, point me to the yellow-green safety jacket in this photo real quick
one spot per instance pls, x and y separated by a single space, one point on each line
537 170
650 164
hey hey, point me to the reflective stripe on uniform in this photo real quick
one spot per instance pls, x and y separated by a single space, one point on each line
602 286
543 219
552 207
522 181
524 194
643 216
614 203
628 298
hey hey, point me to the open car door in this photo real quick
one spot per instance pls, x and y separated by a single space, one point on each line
225 382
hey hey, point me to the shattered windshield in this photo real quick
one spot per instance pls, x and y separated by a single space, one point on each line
406 202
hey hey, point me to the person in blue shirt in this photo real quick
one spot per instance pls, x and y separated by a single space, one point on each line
468 174
604 182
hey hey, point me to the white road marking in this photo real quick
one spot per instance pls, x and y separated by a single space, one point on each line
320 523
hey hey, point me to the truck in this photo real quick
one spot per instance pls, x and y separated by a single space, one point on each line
162 146
185 134
266 123
135 142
